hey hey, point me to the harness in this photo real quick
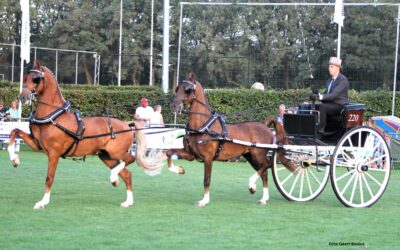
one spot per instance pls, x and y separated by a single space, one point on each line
205 129
78 135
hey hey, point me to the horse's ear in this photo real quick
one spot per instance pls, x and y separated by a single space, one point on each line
36 64
191 76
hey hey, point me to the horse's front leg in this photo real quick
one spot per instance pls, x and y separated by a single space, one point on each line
183 155
31 142
51 170
207 181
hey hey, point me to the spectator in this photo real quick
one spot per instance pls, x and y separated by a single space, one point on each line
144 112
335 96
3 111
14 112
157 118
282 110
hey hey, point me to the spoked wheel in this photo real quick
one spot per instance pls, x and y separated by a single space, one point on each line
361 167
313 172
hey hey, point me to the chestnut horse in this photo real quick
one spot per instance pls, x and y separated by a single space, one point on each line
59 132
209 138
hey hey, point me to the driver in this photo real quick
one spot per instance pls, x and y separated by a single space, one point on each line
335 96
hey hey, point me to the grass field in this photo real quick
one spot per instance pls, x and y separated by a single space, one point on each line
84 211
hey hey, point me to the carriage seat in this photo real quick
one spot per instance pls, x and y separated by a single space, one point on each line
351 115
303 124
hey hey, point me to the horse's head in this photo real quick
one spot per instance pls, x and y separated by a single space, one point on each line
33 83
185 93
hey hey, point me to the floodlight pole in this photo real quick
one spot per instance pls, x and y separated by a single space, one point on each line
120 45
151 44
339 40
395 61
178 64
165 63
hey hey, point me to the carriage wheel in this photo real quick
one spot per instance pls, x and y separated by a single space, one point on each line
361 166
311 178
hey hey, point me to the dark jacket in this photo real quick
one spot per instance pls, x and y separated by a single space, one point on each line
339 92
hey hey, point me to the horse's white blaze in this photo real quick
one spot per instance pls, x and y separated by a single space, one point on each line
115 171
252 181
174 169
45 200
129 199
265 196
205 200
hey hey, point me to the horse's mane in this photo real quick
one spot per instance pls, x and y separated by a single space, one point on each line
47 70
192 78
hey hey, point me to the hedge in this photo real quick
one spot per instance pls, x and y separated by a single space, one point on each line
236 104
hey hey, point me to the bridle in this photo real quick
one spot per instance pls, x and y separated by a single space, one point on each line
37 80
190 91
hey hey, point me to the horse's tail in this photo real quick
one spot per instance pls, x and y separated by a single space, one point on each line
281 138
280 133
153 163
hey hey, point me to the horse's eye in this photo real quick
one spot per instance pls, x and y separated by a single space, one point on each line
36 79
176 89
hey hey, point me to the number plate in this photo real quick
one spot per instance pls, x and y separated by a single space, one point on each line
354 118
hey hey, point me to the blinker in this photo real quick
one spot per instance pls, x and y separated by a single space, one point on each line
189 89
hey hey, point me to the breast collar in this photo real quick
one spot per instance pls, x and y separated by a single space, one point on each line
51 117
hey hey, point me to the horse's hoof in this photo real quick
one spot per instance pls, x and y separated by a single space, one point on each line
115 183
181 170
39 205
261 202
252 190
15 162
126 204
201 204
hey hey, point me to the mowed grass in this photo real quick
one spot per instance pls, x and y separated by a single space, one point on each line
84 211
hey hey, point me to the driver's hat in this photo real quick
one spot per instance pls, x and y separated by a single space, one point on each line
335 61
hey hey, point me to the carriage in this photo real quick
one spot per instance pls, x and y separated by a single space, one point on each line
356 158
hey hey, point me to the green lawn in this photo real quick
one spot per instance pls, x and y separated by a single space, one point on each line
84 211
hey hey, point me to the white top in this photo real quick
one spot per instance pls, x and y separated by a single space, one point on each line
144 113
156 118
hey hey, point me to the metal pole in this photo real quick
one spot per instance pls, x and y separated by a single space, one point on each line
396 60
95 69
76 68
35 54
98 68
165 64
179 46
339 40
12 61
120 46
56 65
151 44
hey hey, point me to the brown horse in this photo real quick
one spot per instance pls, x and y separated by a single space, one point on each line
209 138
59 132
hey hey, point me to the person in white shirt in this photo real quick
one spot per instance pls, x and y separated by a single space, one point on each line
14 112
144 112
157 118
